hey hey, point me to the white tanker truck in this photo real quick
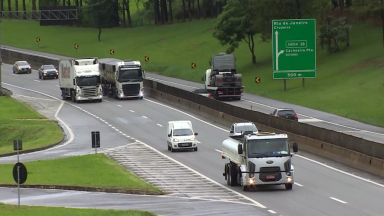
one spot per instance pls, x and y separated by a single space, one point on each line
258 159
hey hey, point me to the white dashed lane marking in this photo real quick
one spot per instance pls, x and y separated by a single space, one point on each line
144 116
271 211
131 111
159 125
338 200
14 75
300 185
36 80
119 105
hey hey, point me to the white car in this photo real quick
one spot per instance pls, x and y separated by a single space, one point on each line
238 128
180 136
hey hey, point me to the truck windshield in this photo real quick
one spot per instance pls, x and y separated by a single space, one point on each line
182 132
88 81
243 128
130 75
268 148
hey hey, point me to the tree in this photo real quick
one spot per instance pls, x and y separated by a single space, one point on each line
170 10
237 22
104 13
128 10
33 5
183 10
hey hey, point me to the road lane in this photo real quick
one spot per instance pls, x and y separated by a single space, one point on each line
307 115
204 160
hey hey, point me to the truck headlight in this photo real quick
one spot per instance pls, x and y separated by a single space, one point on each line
175 140
251 181
192 139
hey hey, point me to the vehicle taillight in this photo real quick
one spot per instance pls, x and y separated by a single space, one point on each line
209 95
295 116
241 90
278 116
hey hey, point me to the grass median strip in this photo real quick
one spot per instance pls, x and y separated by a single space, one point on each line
93 172
61 211
20 121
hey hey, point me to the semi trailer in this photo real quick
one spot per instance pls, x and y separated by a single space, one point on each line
79 79
258 159
122 78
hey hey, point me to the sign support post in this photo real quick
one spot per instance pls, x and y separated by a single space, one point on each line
18 145
95 140
294 49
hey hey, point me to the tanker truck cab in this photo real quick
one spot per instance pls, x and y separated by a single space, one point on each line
258 159
180 136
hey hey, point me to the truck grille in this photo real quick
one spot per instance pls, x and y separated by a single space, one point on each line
131 89
89 91
184 145
270 174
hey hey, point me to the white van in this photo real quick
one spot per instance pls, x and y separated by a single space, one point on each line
180 135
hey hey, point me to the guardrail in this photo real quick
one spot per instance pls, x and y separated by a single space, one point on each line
369 148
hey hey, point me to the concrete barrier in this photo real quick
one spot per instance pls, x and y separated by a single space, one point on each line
341 147
357 144
343 155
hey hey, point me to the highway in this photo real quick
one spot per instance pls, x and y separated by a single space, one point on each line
319 190
267 105
306 115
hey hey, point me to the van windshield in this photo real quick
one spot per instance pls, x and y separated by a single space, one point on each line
182 132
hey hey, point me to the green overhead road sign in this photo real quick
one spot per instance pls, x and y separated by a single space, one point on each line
294 48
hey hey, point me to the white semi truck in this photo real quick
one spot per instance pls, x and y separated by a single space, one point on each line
80 79
258 159
122 78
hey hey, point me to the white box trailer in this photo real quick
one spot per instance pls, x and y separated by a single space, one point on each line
258 159
122 78
79 79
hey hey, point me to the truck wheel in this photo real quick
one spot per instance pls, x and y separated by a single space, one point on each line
169 148
237 98
73 97
63 95
232 175
245 188
288 186
172 149
195 149
227 174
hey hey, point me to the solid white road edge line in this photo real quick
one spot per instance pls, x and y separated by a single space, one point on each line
271 211
264 105
308 159
255 203
338 200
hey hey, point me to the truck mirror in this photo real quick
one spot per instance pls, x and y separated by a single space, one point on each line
74 82
231 131
240 149
295 147
196 134
169 135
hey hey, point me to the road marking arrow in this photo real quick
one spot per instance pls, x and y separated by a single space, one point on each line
277 50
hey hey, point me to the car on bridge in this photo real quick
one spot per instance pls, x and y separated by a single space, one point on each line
48 71
286 113
22 67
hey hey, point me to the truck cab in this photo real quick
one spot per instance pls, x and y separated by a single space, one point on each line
238 128
258 159
180 136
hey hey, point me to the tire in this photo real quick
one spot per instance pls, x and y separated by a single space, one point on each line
169 147
288 186
172 150
232 175
237 98
195 149
73 97
63 95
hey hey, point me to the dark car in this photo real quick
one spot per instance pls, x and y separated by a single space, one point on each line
285 113
48 71
22 67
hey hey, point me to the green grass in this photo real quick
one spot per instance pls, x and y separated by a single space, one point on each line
356 94
61 211
94 170
19 121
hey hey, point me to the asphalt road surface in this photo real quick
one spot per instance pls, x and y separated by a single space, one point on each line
159 205
266 105
320 189
306 115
